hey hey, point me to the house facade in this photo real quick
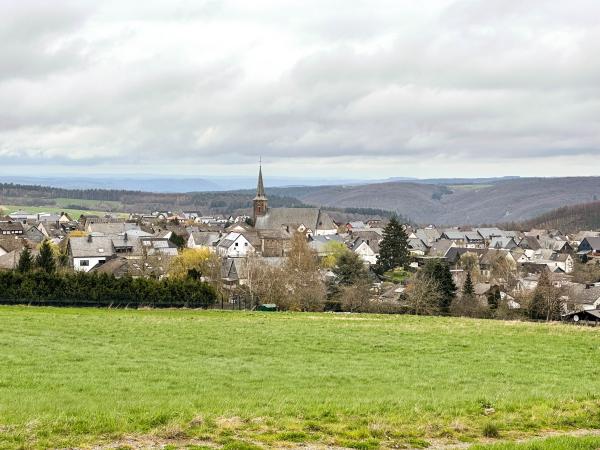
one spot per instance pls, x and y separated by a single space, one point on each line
87 252
234 245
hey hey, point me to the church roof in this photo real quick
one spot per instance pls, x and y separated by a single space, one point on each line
312 218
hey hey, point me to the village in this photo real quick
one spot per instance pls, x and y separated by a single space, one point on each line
500 268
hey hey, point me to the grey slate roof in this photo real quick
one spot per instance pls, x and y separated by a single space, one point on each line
428 235
206 238
530 242
440 248
11 243
594 242
320 243
112 228
488 233
585 296
96 247
473 236
312 218
358 224
374 244
455 253
454 235
11 227
503 242
417 244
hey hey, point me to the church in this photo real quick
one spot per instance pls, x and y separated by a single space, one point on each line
310 221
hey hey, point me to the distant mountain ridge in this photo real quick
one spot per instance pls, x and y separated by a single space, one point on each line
506 200
482 201
168 184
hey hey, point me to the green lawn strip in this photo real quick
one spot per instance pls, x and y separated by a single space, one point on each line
82 376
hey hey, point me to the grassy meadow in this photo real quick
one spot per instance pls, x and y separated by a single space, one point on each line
194 379
62 205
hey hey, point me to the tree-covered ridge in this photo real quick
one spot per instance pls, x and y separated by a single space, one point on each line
568 219
137 201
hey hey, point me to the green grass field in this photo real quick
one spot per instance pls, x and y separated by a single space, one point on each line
82 377
95 207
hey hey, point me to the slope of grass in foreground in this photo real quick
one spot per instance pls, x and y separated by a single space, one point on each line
80 376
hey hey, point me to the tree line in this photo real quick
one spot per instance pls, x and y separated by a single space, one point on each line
40 281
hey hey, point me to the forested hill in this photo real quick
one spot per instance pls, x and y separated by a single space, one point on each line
114 200
508 200
499 201
136 201
568 219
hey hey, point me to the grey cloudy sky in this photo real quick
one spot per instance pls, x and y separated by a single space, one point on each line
318 88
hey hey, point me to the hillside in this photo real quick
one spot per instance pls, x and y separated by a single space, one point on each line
568 219
509 200
50 198
494 201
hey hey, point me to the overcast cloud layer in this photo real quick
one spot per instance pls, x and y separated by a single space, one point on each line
339 88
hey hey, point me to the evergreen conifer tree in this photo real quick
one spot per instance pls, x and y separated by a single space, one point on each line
45 259
25 261
468 289
440 272
349 269
393 248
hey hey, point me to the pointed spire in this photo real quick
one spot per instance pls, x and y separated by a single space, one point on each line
260 188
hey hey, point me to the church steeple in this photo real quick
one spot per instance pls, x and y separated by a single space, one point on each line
260 202
260 188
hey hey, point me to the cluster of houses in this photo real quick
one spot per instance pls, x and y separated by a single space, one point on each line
144 244
524 255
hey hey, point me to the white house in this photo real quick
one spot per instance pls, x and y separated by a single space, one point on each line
89 251
367 250
234 245
203 239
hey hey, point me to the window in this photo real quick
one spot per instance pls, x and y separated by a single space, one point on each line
84 262
236 244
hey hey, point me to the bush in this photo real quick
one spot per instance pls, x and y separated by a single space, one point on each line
83 289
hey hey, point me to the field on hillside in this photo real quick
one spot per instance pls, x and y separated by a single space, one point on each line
58 208
81 377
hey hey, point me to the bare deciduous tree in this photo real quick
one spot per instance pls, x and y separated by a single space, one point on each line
423 295
355 297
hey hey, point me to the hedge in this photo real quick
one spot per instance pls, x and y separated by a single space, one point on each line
81 289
